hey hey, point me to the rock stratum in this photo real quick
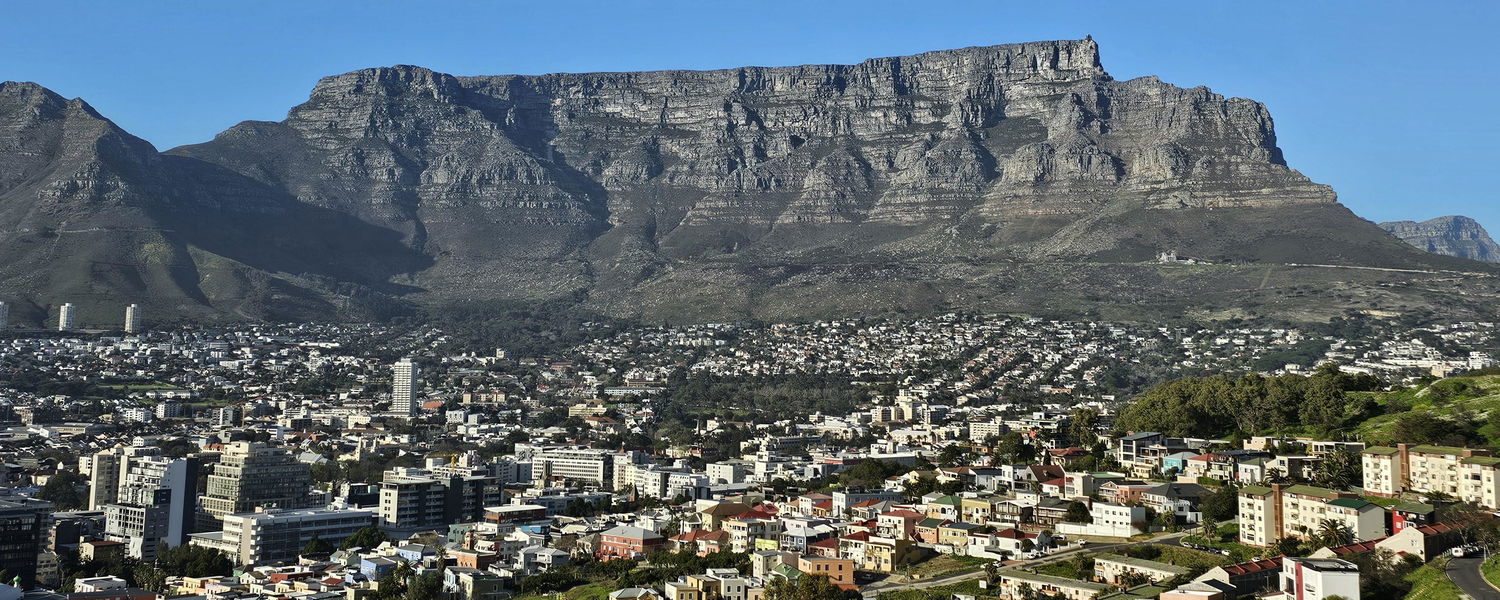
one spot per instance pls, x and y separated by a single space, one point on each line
1011 178
1454 235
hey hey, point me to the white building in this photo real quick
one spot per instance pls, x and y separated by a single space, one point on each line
404 387
65 317
577 463
273 535
155 507
132 318
1318 578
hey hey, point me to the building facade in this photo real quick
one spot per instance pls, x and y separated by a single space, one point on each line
251 475
272 535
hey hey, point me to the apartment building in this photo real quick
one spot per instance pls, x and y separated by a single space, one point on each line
155 504
24 523
252 475
1318 578
1114 569
587 465
270 535
416 499
1267 514
1012 581
1468 474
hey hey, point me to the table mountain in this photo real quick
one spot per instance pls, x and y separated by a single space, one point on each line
1450 236
1018 177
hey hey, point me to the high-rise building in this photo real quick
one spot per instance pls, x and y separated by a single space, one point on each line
4 315
416 499
251 475
229 416
132 318
156 504
404 381
24 523
103 470
106 471
65 317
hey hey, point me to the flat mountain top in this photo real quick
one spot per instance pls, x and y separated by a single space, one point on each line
1011 178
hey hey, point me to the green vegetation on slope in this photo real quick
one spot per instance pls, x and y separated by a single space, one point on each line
1455 411
1431 583
1222 405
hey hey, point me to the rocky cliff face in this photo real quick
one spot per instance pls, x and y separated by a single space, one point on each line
1449 236
775 192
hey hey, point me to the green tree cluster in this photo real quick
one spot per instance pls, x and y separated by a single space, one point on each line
1221 405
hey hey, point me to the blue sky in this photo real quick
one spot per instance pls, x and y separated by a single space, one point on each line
1392 103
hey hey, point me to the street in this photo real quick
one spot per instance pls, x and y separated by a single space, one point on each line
1465 573
1170 539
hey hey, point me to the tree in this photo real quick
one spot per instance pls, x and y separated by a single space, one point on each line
1013 448
316 545
62 491
1323 402
1470 522
952 455
1210 528
1339 470
1333 533
1081 427
1287 546
366 537
1222 505
427 586
194 561
151 578
1078 512
807 587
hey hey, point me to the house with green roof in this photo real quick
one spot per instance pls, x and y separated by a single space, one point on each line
1011 581
1115 569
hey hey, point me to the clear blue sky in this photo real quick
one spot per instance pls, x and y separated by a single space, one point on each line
1392 103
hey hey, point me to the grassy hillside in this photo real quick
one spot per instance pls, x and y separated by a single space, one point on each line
1455 411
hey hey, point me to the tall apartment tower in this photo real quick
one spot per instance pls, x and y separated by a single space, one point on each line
132 318
65 317
252 475
104 477
156 506
404 387
4 315
24 523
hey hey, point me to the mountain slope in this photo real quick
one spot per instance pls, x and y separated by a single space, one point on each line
1017 178
1449 236
95 216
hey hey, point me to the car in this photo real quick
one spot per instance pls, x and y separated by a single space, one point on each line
1082 542
1457 552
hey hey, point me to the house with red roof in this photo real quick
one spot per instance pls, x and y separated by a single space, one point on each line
701 542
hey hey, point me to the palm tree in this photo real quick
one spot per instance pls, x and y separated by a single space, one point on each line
1333 533
1210 528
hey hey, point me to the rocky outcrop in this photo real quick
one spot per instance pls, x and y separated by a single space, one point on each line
642 193
1449 236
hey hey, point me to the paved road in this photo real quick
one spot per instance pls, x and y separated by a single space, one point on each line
1465 573
1170 539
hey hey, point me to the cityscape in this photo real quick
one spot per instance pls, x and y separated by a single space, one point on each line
933 455
762 300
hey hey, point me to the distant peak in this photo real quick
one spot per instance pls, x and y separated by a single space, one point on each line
29 90
392 80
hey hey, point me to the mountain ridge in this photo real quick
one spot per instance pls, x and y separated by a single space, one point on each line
1452 235
976 179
